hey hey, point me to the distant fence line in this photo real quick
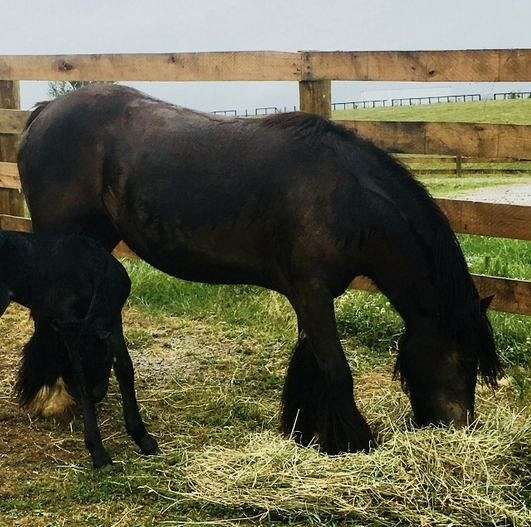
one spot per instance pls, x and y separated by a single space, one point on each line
415 101
382 103
513 95
265 110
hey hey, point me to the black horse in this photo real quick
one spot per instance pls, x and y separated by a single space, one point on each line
75 290
291 202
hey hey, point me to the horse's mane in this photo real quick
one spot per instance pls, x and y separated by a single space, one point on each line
460 312
305 126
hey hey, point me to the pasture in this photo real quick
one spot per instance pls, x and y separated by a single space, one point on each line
517 111
210 363
211 360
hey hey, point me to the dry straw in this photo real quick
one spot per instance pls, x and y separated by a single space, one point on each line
428 477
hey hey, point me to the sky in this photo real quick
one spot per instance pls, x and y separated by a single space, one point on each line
97 26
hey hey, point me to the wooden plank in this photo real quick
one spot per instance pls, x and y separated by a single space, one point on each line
210 66
14 223
487 65
122 251
488 219
466 139
11 200
316 97
12 121
510 296
9 175
511 65
443 159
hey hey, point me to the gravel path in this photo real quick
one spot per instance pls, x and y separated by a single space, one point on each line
519 194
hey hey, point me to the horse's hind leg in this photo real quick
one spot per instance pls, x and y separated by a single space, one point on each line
318 398
123 368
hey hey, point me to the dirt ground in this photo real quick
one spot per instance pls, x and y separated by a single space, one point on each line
519 194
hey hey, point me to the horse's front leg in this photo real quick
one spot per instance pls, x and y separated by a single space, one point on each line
93 442
123 368
318 399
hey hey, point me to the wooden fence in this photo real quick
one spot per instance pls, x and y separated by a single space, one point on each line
314 71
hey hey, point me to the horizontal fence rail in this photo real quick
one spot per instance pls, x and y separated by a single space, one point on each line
490 65
9 177
510 296
488 219
466 139
216 66
421 66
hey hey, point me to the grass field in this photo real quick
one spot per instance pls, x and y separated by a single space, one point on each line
210 364
496 112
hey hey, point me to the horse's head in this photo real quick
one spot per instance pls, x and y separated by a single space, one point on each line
96 358
439 364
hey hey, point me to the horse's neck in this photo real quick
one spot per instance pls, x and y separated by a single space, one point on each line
414 286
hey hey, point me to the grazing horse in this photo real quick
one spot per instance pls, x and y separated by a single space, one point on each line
290 202
75 290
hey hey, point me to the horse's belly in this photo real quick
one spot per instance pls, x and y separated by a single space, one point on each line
200 261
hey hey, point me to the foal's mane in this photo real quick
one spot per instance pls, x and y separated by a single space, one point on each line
460 312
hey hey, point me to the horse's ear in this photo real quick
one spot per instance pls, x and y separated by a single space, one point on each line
5 298
485 302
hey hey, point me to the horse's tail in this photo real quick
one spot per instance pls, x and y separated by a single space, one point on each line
40 387
38 108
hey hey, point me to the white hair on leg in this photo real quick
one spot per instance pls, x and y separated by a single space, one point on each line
51 400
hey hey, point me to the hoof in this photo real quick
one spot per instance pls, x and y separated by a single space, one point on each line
148 446
105 469
103 463
347 438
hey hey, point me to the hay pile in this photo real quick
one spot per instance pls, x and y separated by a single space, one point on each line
425 477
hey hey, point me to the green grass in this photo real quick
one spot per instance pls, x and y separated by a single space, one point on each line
496 112
210 364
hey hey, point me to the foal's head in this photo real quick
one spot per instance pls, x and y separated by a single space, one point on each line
439 362
96 360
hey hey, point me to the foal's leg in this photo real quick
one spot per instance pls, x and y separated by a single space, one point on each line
123 368
318 394
93 442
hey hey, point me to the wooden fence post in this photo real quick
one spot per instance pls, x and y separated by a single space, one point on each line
316 97
11 200
458 165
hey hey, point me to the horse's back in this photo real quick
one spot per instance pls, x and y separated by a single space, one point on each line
199 196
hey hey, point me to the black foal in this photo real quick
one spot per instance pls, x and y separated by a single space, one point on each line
76 291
